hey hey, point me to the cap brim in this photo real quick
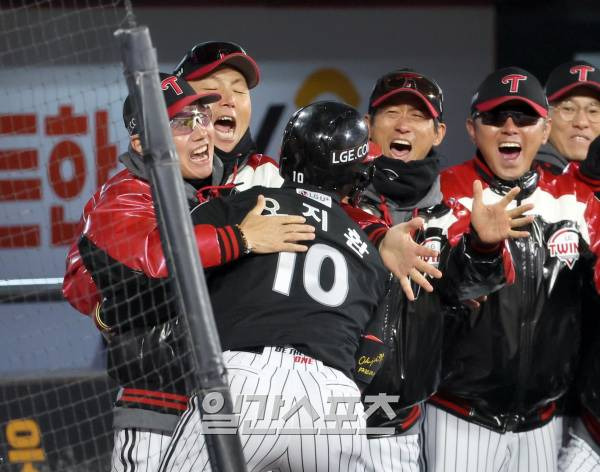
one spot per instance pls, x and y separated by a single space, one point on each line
387 96
491 104
201 98
563 91
244 63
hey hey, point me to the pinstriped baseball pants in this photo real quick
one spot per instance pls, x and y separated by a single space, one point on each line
294 433
578 456
394 454
453 444
138 450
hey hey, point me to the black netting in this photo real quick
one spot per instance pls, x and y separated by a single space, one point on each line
61 132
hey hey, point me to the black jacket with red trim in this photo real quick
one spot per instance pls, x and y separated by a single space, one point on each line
401 351
556 163
508 362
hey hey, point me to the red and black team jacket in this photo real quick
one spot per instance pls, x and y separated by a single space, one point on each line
588 375
402 347
117 273
504 366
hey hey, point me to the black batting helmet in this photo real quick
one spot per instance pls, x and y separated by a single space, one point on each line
326 144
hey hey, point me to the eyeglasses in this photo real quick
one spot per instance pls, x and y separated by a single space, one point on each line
207 53
184 123
568 112
411 80
498 117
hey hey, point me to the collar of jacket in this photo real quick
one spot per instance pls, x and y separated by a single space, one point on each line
550 155
134 163
238 155
401 211
527 182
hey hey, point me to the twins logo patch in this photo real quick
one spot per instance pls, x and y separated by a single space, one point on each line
564 244
435 243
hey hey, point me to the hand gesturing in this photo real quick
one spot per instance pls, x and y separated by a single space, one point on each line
494 223
403 256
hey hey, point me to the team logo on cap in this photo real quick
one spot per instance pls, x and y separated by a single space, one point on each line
349 155
514 81
435 243
564 244
582 71
171 82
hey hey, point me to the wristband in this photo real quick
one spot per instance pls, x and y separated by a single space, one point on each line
247 247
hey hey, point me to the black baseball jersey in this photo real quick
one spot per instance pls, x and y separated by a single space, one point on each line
318 301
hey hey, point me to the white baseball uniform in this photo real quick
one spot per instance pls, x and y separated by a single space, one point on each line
582 453
578 456
453 444
394 453
293 432
138 450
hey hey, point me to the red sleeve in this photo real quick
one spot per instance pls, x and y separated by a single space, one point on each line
573 169
120 220
124 225
78 287
374 227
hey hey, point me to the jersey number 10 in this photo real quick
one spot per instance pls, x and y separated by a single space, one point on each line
311 274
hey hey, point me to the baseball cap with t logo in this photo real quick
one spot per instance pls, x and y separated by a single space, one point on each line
510 84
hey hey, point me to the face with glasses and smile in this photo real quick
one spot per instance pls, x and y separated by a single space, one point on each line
508 137
193 135
575 123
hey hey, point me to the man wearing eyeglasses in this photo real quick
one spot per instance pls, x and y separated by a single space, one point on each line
227 69
504 366
582 449
117 274
573 90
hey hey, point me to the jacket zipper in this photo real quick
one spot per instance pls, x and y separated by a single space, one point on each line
527 307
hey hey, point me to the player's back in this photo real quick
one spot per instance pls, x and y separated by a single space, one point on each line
318 301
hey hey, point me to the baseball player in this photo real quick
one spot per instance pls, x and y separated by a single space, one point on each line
582 451
504 366
573 91
227 69
292 328
404 119
118 261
